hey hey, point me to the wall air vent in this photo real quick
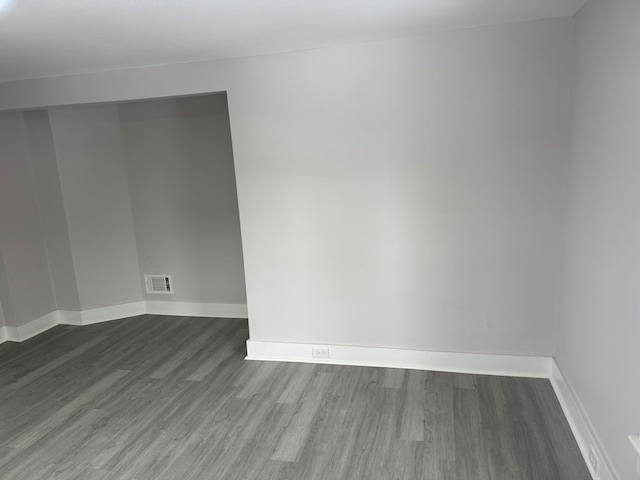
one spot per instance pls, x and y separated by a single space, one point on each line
158 284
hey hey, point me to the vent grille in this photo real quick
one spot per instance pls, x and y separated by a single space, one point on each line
158 283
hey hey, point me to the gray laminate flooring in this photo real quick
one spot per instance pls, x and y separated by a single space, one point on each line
158 397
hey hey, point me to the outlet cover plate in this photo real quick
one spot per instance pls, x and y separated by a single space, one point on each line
320 352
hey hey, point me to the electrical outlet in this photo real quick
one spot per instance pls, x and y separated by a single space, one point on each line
593 460
320 352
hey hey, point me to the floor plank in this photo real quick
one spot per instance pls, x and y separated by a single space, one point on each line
156 397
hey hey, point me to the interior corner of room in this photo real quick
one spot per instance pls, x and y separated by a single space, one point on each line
464 200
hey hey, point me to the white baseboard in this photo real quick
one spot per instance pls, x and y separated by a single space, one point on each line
115 312
504 365
30 329
12 334
580 425
69 317
37 326
192 309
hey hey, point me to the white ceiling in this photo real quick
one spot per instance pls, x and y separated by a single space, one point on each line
41 38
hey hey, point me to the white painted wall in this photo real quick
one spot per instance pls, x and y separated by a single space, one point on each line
405 193
88 145
599 328
401 193
25 282
183 195
118 85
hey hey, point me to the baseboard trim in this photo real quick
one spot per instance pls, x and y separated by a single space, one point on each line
191 309
12 334
580 425
30 329
69 317
116 312
483 364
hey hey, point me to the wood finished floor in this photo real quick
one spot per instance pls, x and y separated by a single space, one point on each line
172 398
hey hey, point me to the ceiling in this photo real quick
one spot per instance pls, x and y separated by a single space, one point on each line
40 38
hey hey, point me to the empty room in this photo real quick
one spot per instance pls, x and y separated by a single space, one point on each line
286 240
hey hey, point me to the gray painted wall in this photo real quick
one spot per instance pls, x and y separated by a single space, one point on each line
25 279
68 237
5 293
599 329
183 196
88 145
53 217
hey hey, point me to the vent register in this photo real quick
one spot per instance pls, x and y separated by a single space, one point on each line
158 284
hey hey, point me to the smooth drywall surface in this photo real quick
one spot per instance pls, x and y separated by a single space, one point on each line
401 193
129 84
405 194
4 290
88 146
183 195
25 266
54 220
6 303
599 330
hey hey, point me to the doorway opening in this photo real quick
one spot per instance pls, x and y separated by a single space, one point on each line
133 189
